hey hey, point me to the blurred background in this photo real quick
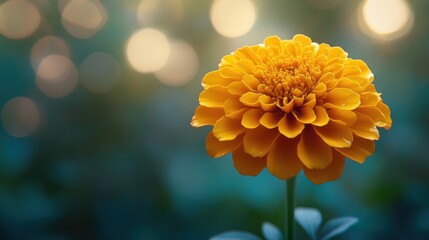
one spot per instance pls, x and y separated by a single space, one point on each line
96 99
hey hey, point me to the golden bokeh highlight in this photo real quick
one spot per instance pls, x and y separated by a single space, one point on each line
181 66
385 19
20 117
46 46
83 18
147 50
99 72
18 19
233 18
56 76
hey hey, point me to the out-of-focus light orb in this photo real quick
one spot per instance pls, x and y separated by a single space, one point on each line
151 11
233 18
83 18
99 72
56 76
147 50
18 19
386 19
181 66
20 117
46 46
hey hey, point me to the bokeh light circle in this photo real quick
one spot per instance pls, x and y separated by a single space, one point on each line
181 66
20 117
385 19
99 72
46 46
56 76
147 50
83 18
18 19
233 18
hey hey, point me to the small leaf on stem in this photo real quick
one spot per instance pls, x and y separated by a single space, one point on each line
271 232
309 219
336 226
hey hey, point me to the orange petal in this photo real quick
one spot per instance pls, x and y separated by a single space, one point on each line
290 127
267 103
319 90
250 99
342 98
206 116
359 150
366 72
375 114
230 72
271 119
246 66
251 118
322 117
251 82
386 112
229 60
304 40
341 116
257 142
227 129
237 88
282 160
216 148
337 52
248 53
327 77
347 83
365 127
330 173
349 70
213 79
369 99
246 164
335 135
214 96
234 108
273 41
313 151
305 115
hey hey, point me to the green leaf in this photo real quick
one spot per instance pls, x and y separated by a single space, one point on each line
336 226
271 232
309 219
235 235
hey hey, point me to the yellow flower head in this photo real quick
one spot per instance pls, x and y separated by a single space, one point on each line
290 105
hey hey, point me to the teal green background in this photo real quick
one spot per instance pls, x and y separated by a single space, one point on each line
128 165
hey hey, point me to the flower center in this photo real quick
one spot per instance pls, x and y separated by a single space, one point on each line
281 76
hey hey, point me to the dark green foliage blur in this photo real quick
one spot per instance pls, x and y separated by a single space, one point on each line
127 164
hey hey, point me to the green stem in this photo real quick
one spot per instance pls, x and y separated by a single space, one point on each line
290 209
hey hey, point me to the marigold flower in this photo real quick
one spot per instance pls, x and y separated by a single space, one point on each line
291 105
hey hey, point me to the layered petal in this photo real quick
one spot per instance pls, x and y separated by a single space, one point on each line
313 151
206 116
216 148
282 160
257 142
290 127
227 129
359 150
335 135
342 98
246 164
332 172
